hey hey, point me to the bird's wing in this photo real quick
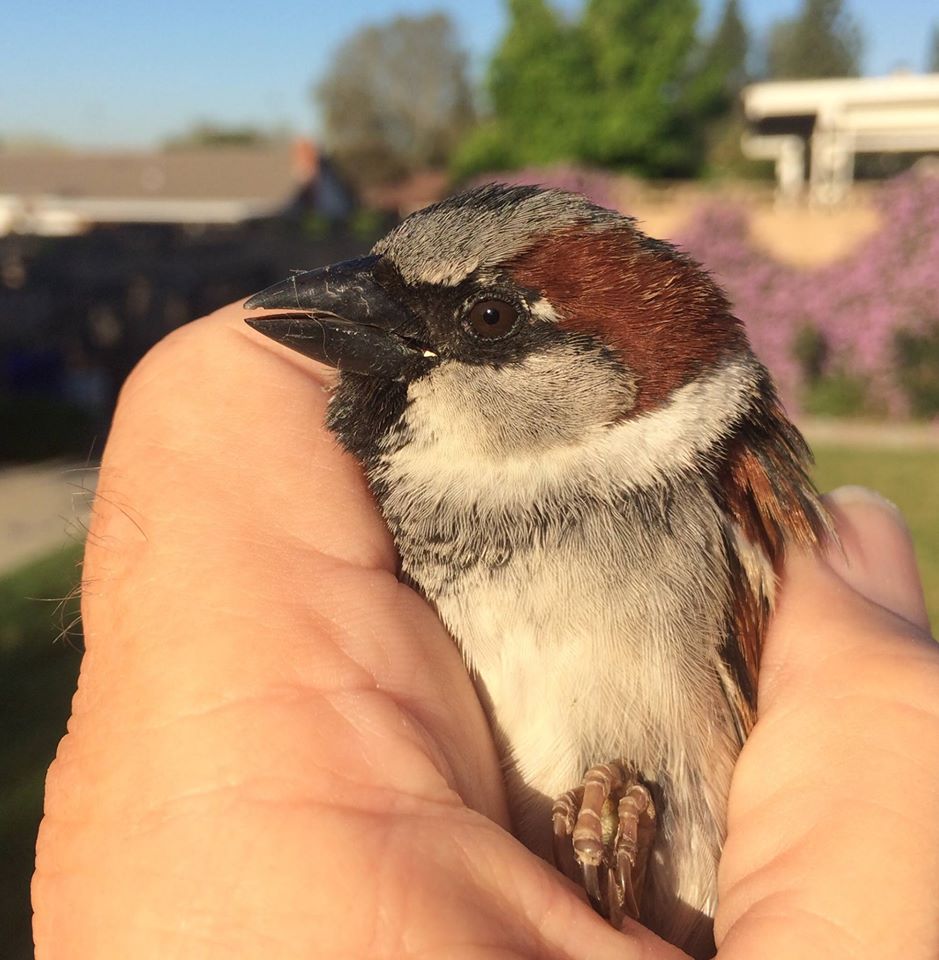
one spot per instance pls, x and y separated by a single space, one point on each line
771 505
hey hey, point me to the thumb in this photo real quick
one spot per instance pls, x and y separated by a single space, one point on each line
862 593
876 558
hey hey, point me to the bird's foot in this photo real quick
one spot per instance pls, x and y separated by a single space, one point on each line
603 833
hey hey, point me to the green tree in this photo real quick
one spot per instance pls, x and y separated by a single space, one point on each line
538 84
714 97
395 99
641 54
822 40
608 88
721 72
205 133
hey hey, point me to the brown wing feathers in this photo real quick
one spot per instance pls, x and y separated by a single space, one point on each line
767 494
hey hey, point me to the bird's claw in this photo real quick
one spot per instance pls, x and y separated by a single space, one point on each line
603 833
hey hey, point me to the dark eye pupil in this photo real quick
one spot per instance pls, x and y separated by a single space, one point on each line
491 316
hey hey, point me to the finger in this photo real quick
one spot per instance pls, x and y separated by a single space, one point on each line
877 557
817 618
833 821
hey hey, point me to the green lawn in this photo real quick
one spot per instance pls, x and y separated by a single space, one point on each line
38 672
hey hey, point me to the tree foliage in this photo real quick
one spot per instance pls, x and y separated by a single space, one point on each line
720 75
609 87
822 40
539 82
722 69
642 55
395 99
932 59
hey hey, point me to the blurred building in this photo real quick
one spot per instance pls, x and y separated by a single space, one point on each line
47 193
814 129
101 255
403 197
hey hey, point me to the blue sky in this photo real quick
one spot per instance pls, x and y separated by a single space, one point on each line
126 72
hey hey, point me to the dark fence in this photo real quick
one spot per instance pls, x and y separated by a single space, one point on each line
77 313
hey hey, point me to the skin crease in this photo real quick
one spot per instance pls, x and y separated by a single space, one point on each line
275 750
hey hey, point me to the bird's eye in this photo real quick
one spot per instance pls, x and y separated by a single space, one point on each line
491 319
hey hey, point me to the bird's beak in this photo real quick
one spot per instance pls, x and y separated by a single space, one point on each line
341 316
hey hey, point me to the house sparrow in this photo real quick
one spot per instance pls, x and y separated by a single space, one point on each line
588 473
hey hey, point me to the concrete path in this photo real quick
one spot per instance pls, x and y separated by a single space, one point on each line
862 433
42 506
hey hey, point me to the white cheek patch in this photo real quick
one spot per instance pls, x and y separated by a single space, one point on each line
516 411
446 461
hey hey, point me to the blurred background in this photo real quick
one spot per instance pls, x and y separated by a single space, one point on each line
158 161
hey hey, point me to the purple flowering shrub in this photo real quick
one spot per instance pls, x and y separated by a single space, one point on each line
857 312
763 292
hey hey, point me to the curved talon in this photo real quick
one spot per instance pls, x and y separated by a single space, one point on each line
592 885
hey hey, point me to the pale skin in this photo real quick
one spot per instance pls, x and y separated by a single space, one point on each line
275 750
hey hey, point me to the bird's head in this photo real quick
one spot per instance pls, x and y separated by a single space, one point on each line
510 322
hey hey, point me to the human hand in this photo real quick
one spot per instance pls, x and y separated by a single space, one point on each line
275 750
